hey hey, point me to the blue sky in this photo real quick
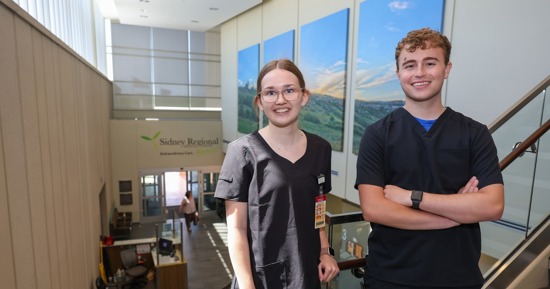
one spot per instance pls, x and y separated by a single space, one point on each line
382 24
248 62
323 53
280 46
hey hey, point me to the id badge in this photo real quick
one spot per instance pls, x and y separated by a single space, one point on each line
320 209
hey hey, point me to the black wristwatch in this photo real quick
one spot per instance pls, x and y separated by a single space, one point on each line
416 198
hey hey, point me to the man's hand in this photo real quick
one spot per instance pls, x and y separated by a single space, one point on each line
398 195
470 187
403 196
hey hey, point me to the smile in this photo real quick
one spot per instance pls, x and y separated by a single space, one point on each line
282 110
421 83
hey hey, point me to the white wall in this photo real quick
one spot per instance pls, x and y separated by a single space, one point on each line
500 51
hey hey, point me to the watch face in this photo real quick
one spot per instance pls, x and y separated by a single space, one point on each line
416 195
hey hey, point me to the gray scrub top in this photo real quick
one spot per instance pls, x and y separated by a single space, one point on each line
284 244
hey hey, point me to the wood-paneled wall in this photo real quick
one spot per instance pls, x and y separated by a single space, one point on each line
54 158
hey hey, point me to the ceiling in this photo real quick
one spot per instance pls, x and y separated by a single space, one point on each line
194 15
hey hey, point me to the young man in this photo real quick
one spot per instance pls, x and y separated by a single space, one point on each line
426 176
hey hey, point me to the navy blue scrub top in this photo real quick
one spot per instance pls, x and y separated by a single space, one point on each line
398 150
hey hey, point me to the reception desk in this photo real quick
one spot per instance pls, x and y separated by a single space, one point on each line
170 272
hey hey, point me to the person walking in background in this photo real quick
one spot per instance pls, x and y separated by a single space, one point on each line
189 210
273 181
426 176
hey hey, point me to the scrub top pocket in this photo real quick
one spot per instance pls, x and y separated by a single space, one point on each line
272 275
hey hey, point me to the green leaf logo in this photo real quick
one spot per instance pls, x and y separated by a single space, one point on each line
152 139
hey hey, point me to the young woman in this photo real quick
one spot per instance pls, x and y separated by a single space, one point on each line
270 180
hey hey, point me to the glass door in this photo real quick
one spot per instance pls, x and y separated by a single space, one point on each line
152 202
209 203
194 186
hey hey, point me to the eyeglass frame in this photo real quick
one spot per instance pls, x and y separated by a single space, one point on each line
280 92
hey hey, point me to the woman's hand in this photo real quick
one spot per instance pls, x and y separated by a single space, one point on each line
328 268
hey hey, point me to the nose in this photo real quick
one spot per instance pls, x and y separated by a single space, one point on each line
420 71
280 97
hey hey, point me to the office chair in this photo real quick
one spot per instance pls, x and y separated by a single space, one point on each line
137 272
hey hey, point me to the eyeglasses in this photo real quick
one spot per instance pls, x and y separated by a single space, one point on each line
289 93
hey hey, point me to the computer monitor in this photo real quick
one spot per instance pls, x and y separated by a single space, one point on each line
165 246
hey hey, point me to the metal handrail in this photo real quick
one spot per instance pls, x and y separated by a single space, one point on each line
352 264
519 105
523 146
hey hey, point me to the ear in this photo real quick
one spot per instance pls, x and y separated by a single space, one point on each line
305 97
448 69
258 102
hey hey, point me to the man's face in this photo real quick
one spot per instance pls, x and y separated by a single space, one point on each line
422 73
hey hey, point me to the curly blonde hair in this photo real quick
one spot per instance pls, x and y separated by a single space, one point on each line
423 38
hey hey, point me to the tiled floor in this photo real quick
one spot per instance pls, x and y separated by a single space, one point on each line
208 263
205 248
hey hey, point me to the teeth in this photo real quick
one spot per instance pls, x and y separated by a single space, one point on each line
420 83
282 110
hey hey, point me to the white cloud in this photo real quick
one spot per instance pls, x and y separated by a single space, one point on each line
391 27
399 5
330 81
367 78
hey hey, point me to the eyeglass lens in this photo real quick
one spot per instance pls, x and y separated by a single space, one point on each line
289 93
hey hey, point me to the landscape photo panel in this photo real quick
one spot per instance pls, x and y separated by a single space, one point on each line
323 61
248 69
278 47
382 24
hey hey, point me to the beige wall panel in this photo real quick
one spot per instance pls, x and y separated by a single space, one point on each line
47 136
249 28
33 161
44 187
229 81
89 201
73 221
7 274
279 16
16 176
55 119
84 117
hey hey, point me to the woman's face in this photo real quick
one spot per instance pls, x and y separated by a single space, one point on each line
282 112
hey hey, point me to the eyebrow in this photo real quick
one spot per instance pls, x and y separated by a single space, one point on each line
283 86
405 61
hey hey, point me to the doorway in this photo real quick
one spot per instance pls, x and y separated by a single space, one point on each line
161 192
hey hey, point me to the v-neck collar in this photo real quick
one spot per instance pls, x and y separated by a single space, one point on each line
268 147
418 126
